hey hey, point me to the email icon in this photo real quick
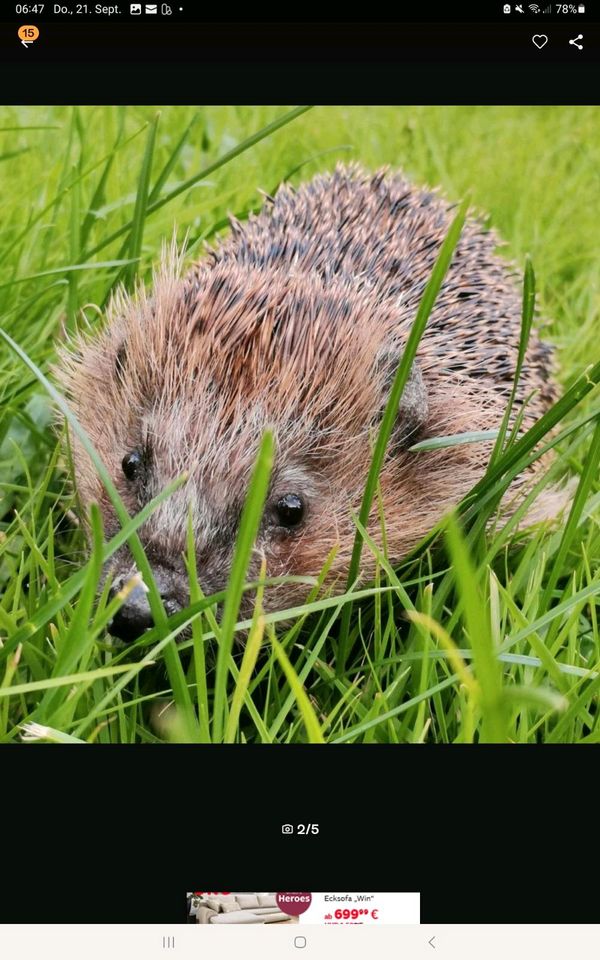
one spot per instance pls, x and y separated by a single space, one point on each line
151 8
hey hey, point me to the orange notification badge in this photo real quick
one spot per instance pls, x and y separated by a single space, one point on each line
27 34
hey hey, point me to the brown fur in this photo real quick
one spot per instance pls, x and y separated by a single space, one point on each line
284 325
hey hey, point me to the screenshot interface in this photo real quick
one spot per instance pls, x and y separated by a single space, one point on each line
299 482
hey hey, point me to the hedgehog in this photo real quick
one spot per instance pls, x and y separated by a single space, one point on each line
296 322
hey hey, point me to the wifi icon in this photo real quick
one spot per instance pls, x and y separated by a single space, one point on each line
534 8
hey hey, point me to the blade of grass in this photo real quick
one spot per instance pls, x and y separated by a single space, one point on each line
487 668
387 423
51 126
74 250
313 728
6 690
514 460
33 732
141 206
276 616
197 638
315 647
248 529
455 440
68 680
105 264
169 165
526 322
589 476
251 651
100 192
77 638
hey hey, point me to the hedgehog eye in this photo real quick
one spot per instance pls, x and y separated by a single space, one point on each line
290 510
132 464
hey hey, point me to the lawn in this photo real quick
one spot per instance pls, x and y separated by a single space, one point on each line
485 634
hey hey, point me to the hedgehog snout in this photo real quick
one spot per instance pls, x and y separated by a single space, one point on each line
134 616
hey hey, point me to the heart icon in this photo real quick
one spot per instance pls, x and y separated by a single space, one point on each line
540 40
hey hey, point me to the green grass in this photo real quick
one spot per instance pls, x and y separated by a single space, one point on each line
484 634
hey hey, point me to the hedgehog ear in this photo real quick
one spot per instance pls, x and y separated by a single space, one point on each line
414 404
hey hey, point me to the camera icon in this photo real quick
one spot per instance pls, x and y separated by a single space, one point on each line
287 828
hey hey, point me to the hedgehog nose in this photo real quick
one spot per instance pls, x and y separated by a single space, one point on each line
133 616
